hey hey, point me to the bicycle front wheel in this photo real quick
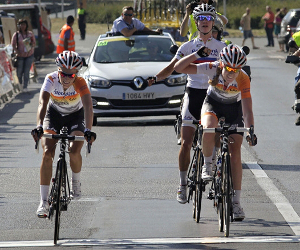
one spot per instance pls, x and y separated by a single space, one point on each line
227 195
61 166
199 185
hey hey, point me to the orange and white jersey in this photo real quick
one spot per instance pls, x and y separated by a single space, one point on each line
234 92
68 101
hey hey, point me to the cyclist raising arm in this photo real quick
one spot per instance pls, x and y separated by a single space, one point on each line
227 96
204 16
70 105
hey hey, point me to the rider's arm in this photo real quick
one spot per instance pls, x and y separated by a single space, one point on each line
247 111
167 71
42 108
184 27
164 73
88 110
184 65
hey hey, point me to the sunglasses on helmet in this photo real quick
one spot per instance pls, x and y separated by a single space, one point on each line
63 74
202 18
229 69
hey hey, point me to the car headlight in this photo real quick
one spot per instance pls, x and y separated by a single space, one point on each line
174 80
98 82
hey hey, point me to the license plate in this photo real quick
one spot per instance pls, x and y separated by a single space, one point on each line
138 96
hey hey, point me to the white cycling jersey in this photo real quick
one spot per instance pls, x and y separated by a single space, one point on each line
65 101
234 92
200 81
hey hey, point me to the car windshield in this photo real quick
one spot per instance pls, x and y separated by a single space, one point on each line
133 49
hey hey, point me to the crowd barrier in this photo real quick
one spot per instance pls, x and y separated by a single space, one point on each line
8 76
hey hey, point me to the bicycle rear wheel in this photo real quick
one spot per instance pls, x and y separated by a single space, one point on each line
199 185
227 194
61 166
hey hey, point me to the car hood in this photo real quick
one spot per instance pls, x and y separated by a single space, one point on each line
125 71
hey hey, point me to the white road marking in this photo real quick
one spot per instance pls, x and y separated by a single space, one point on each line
153 241
280 201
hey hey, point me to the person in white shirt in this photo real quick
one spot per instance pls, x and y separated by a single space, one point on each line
126 24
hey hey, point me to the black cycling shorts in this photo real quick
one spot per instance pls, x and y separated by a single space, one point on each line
233 112
54 121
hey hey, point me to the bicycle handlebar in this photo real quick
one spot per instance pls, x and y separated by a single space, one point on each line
218 129
66 137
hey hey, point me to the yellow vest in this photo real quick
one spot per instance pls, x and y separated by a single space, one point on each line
80 11
192 28
296 37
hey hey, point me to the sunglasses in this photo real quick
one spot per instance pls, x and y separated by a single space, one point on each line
208 18
128 14
63 74
229 69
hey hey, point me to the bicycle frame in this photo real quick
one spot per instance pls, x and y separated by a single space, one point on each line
221 191
59 197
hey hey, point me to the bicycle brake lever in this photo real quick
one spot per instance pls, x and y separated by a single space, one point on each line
37 144
88 149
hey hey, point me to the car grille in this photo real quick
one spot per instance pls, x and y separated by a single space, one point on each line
136 104
139 104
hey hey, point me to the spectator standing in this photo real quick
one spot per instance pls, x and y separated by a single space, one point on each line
246 25
277 25
126 24
82 21
23 43
66 39
188 24
269 26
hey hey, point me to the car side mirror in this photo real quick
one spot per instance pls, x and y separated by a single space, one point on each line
174 48
84 62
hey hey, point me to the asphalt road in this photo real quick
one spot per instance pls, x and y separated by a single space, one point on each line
129 181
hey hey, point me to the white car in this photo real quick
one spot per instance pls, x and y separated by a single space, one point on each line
117 73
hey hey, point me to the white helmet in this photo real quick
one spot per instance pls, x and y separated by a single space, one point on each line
233 56
204 9
218 25
69 60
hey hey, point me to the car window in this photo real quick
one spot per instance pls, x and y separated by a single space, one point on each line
137 49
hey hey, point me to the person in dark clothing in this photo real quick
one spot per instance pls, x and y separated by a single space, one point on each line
82 20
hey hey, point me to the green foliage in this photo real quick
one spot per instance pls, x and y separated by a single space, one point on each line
105 12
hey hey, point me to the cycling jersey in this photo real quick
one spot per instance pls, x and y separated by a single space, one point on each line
200 81
234 92
68 101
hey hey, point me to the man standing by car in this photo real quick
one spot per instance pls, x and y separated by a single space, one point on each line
82 20
126 24
197 85
66 39
269 26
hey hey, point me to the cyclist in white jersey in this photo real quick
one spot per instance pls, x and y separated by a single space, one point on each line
228 96
65 101
197 85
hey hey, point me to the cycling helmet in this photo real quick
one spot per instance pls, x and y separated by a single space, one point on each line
218 25
204 9
233 56
69 60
